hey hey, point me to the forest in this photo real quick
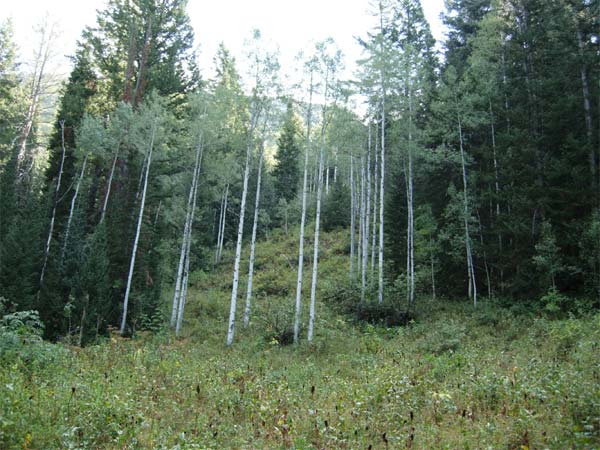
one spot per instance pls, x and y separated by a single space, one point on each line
407 258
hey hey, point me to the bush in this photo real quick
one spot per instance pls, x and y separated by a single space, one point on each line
21 339
346 298
278 326
445 338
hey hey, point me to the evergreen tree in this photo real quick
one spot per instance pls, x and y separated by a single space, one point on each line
287 172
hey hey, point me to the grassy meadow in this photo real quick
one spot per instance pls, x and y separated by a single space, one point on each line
456 377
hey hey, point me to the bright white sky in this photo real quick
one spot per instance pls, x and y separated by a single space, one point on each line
291 24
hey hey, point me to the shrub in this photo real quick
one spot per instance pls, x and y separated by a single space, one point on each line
21 339
278 326
346 298
445 338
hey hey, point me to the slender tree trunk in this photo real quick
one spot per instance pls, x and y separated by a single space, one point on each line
53 216
359 212
186 235
220 253
375 199
382 180
431 257
335 169
313 287
298 305
72 209
253 242
188 240
367 235
352 217
364 218
137 233
470 267
157 215
381 202
238 248
327 178
220 226
109 184
315 268
411 211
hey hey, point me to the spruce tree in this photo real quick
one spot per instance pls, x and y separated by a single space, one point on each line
287 172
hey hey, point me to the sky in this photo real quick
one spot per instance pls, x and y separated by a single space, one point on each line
290 25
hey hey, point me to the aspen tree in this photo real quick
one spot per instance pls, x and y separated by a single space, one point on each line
331 64
310 66
138 228
54 204
264 67
253 241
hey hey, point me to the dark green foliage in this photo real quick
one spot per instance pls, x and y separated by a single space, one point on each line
336 208
21 340
345 298
287 171
11 104
21 253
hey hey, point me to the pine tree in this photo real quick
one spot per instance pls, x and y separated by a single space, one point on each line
286 172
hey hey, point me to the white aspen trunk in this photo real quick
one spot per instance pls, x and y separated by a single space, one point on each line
352 216
497 186
335 169
72 209
186 234
183 296
253 242
364 237
470 268
358 206
431 257
238 248
53 215
137 233
141 179
223 224
375 198
298 305
181 264
496 176
313 287
327 178
315 268
109 184
219 230
367 208
411 211
381 202
382 180
188 241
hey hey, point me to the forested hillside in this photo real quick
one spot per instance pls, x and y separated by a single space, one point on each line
432 188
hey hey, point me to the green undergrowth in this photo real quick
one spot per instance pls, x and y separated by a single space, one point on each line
456 377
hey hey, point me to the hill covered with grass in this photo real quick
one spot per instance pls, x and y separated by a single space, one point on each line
454 377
